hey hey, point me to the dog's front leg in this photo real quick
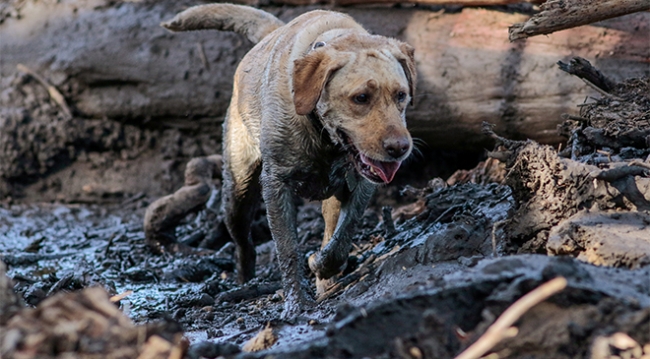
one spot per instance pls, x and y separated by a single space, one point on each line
334 254
281 214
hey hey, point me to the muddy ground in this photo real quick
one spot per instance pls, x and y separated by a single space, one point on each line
427 276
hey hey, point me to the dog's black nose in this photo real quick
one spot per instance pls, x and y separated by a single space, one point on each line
396 147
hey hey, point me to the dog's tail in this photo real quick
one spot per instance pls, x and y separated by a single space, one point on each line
253 23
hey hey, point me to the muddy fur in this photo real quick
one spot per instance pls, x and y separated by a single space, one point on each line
313 101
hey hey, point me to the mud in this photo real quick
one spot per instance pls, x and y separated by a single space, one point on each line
434 263
591 199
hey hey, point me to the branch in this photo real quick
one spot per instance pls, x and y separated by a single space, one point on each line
486 128
583 69
558 15
54 93
502 327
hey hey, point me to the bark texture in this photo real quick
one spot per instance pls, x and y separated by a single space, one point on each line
559 15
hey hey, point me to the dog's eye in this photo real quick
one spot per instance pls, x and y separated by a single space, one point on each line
318 44
361 99
401 96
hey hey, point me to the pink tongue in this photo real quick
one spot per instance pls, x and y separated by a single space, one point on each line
385 170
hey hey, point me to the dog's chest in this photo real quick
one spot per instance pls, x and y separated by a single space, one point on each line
321 178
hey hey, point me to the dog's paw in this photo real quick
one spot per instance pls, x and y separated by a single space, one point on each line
323 285
324 270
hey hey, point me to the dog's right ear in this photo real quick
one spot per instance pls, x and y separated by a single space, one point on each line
310 74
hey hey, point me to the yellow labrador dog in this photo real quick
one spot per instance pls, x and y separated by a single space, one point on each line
317 111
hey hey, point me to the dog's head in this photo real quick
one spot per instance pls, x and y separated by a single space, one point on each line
360 86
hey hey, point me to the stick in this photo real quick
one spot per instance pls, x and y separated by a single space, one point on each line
640 164
204 59
248 292
502 327
233 336
583 69
617 173
116 298
54 93
558 15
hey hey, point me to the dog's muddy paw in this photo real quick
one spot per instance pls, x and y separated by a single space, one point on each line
321 270
322 285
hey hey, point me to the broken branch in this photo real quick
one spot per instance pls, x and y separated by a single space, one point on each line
558 15
502 327
620 172
583 69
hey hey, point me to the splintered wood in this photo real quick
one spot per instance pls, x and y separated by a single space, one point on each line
263 340
85 324
558 15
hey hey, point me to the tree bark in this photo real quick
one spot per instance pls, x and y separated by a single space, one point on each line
560 14
117 62
421 2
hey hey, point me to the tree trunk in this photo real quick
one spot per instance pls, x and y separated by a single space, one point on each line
117 62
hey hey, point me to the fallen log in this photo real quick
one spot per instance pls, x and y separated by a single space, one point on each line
559 15
422 2
125 66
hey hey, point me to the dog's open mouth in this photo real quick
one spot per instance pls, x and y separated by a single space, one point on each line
374 170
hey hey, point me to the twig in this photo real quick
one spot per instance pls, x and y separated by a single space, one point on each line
116 298
501 156
620 172
366 267
566 116
595 79
502 327
486 128
389 225
640 164
601 91
204 59
233 336
248 292
54 93
495 227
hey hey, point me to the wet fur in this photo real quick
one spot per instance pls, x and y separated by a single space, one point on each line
292 130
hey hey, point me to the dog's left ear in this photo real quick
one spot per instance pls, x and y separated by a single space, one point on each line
310 74
406 58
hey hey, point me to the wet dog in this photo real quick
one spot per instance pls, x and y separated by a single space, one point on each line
317 111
